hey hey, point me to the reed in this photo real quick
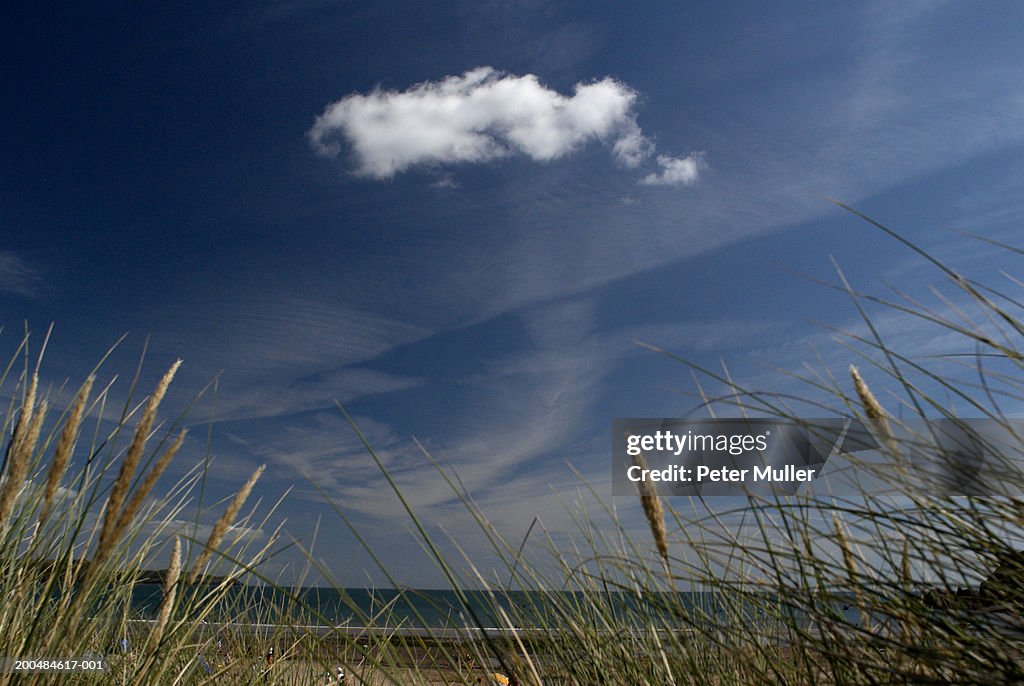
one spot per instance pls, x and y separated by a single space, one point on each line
143 490
874 411
220 528
23 443
111 530
654 512
170 591
67 589
65 445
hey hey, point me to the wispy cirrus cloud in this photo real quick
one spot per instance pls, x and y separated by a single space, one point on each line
483 115
313 392
17 276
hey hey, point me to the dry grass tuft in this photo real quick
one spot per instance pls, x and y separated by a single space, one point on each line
874 411
654 511
65 593
26 435
111 530
147 484
167 602
65 446
224 523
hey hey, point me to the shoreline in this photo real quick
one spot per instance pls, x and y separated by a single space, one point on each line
309 654
377 632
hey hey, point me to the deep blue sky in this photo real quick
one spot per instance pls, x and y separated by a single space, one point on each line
471 262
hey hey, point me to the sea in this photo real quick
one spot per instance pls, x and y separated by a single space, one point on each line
433 609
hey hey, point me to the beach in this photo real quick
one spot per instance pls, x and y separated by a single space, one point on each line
371 656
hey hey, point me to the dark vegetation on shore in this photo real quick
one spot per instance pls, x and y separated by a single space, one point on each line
45 568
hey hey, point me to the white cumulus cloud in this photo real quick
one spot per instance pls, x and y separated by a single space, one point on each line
481 115
675 171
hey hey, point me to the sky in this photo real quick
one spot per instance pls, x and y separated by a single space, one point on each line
460 220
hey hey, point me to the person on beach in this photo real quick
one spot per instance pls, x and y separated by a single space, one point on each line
337 678
222 649
270 663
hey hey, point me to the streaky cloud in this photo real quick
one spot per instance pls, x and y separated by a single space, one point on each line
17 276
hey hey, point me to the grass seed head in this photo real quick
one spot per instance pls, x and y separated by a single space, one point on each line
22 445
65 445
167 603
147 484
653 511
111 530
874 411
224 523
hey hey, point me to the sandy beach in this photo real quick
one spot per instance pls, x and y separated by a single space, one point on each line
374 657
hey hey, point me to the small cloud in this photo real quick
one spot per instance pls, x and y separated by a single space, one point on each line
479 116
447 181
675 171
17 277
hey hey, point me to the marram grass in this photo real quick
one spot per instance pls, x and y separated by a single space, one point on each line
795 591
76 527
